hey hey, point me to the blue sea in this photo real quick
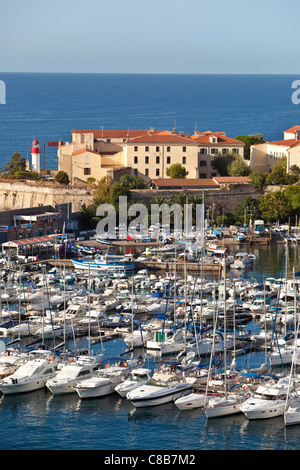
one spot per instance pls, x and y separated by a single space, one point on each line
50 106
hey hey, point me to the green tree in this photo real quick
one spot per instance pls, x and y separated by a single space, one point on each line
249 207
177 171
62 177
258 179
222 162
16 163
238 167
132 182
275 206
279 175
250 140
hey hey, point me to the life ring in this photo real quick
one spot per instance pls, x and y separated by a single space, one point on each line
107 366
245 387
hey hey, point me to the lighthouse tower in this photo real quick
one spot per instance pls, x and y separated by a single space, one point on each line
35 156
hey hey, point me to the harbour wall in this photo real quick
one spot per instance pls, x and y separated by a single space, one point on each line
19 195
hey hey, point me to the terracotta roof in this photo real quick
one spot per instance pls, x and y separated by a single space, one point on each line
293 129
232 179
185 182
204 138
84 151
108 133
285 143
162 137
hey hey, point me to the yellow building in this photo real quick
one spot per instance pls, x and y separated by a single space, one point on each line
264 156
146 153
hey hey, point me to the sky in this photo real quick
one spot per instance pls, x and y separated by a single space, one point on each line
158 36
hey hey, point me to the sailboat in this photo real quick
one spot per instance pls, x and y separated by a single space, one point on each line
230 402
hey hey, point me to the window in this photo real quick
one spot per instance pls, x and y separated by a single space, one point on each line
168 160
136 160
202 163
135 172
213 175
224 151
184 149
146 171
135 148
157 149
146 160
86 171
202 175
183 160
212 151
87 160
157 159
108 141
157 172
203 150
168 149
147 149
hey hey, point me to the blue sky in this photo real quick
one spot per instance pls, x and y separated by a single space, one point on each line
166 36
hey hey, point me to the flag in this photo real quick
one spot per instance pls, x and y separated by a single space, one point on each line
53 144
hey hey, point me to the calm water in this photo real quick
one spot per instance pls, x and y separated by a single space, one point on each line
51 105
38 420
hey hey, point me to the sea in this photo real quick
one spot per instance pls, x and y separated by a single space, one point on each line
49 106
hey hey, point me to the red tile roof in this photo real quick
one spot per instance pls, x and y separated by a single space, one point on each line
162 137
204 138
232 179
184 183
293 129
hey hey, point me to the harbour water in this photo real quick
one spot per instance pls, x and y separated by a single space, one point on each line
39 420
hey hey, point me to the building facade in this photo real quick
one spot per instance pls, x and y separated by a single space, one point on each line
145 153
264 156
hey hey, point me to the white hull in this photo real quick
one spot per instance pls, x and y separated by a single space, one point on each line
292 415
223 408
24 387
98 388
192 400
158 397
265 410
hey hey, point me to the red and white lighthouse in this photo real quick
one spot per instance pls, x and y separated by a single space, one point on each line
35 156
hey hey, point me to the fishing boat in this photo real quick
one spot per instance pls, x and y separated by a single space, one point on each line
105 263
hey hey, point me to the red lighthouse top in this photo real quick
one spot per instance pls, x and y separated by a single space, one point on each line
35 146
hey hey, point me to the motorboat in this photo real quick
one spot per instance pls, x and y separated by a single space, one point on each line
197 399
136 378
73 372
30 376
163 387
54 331
104 381
242 260
167 342
270 399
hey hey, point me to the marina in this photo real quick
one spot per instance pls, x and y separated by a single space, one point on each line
202 355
